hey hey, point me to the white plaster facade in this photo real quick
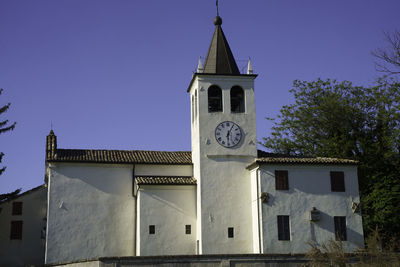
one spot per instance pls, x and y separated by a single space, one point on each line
169 209
223 183
29 250
309 187
90 212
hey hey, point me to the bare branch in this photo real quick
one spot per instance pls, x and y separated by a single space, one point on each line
389 58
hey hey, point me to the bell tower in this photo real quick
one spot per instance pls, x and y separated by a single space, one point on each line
223 132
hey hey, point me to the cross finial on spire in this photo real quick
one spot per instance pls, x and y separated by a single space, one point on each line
217 8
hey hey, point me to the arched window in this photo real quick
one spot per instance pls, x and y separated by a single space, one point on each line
214 99
237 99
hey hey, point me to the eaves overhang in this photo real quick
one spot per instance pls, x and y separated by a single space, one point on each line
300 161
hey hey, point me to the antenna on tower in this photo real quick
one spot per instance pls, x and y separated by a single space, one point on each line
217 7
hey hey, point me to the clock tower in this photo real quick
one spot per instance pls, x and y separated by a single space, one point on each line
223 131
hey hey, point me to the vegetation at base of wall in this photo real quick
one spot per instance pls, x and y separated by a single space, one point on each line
374 254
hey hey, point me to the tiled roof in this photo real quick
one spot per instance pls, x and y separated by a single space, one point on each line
301 160
165 180
43 186
121 156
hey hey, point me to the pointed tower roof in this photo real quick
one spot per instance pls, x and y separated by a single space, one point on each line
220 59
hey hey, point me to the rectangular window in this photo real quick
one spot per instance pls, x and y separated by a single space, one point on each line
283 227
188 229
337 182
230 232
340 228
281 180
17 208
16 230
152 229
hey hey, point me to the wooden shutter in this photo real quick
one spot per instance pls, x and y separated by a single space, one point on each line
337 182
281 180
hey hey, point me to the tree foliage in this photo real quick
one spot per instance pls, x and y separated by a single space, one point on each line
5 126
336 119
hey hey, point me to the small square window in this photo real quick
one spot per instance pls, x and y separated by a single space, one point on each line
17 208
230 232
188 229
16 230
337 182
152 229
281 180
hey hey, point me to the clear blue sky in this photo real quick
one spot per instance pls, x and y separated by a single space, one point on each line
114 74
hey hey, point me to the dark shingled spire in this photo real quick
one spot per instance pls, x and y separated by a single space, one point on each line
220 59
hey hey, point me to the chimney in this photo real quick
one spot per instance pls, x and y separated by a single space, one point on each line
51 146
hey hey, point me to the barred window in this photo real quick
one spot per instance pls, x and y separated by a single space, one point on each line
16 230
17 208
188 229
281 180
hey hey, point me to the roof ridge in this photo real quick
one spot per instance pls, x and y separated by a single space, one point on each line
122 150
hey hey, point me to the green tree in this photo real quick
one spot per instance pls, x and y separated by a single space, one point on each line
4 127
337 119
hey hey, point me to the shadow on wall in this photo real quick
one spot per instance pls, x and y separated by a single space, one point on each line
112 180
326 222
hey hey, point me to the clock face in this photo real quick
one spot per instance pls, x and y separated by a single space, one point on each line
228 134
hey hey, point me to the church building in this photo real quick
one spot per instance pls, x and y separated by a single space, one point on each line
223 197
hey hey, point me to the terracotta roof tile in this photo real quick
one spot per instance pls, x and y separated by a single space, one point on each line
165 180
302 160
121 156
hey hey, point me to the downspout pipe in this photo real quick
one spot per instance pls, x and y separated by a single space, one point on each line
258 210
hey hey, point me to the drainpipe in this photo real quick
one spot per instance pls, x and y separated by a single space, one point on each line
136 206
258 210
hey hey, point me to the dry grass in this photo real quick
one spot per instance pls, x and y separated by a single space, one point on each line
375 254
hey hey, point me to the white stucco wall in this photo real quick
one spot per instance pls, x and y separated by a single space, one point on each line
163 170
91 212
169 208
29 250
223 190
309 186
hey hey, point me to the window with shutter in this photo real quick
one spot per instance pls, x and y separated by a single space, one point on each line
340 228
337 182
283 227
16 230
281 180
